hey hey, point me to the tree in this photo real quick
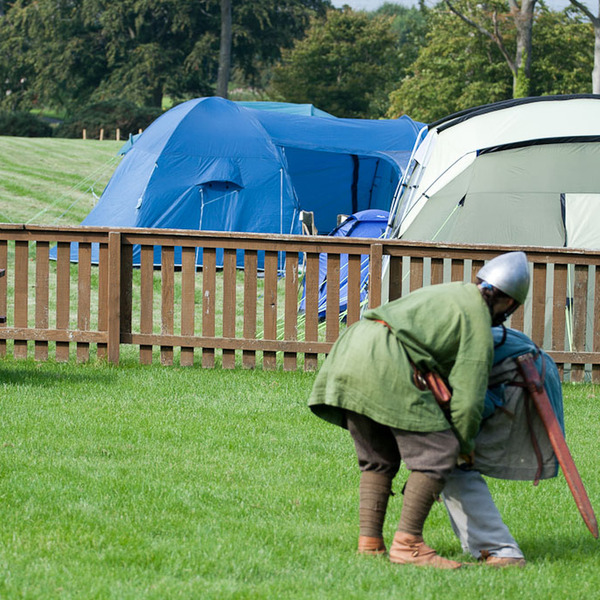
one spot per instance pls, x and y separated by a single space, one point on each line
458 69
225 49
342 66
563 57
50 55
66 53
595 21
487 19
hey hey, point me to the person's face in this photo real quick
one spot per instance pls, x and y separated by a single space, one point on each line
500 308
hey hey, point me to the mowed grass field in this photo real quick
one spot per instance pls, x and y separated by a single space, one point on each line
165 482
46 181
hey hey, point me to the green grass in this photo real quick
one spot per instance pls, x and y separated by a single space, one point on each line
153 482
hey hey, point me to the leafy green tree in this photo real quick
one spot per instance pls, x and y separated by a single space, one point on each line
458 69
563 53
342 66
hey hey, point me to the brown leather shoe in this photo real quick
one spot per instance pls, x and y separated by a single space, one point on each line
408 549
371 545
504 561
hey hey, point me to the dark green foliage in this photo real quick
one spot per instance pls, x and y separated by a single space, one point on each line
21 123
63 54
108 115
342 66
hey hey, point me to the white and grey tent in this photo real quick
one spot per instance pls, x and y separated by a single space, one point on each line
521 172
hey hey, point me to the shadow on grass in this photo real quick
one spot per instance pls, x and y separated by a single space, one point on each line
560 548
52 375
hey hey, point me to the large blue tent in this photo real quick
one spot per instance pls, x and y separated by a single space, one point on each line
216 165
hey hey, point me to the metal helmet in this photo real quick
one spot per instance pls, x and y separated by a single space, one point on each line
509 273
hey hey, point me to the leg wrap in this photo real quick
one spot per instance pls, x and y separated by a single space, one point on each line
420 492
374 492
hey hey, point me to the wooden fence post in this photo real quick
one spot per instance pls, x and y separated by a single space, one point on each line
375 266
114 296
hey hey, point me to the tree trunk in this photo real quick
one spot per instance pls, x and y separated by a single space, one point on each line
225 49
523 18
596 69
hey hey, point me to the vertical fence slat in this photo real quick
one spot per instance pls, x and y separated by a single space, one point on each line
209 291
270 306
114 297
167 313
375 266
538 304
126 307
63 296
475 267
188 301
332 313
3 289
21 294
437 271
84 296
290 332
42 296
579 317
229 283
558 310
353 287
596 324
457 269
146 300
416 273
102 348
395 277
311 312
250 302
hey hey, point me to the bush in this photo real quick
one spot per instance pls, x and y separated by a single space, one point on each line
21 123
109 115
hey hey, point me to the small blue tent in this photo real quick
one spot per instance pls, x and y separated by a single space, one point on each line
216 165
367 224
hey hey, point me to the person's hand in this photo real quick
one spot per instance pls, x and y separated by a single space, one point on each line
466 461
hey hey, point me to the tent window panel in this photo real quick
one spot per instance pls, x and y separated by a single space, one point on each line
484 218
582 214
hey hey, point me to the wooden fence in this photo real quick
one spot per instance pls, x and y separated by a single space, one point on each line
140 290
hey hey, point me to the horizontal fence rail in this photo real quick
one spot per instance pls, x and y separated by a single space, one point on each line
186 297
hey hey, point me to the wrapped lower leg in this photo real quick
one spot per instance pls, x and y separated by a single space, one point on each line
374 492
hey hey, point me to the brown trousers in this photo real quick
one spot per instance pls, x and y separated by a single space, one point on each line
381 448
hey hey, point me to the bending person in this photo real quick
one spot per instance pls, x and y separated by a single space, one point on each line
379 382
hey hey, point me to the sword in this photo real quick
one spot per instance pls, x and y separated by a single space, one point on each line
538 394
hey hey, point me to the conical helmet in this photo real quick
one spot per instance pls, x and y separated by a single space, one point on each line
509 273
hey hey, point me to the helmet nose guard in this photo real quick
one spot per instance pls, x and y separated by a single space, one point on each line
509 273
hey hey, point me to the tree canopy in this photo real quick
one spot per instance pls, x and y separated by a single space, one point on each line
424 62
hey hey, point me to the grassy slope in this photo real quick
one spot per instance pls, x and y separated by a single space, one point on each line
50 181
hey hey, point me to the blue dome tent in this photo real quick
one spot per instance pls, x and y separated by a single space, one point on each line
215 165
